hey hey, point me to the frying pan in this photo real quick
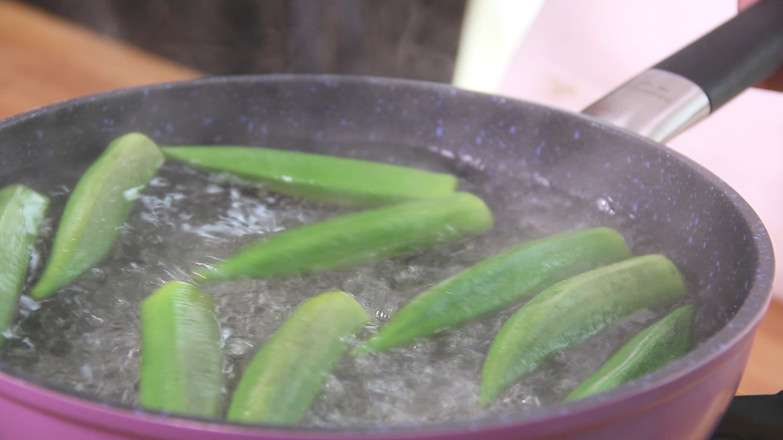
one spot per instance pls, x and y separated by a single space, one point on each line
688 213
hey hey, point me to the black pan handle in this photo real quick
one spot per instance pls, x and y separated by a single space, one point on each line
756 417
736 55
698 79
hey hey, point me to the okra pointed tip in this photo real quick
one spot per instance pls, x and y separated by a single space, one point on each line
209 274
485 399
200 276
374 344
40 291
490 388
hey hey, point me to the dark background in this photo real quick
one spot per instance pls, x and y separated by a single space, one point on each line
397 38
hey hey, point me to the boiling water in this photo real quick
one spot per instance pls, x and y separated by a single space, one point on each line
85 339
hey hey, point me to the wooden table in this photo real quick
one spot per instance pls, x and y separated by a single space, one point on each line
44 59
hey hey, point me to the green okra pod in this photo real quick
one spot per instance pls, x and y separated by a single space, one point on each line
181 357
289 371
97 208
500 280
318 177
356 238
21 212
651 349
572 310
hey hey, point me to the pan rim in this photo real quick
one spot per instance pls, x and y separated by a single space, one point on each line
737 328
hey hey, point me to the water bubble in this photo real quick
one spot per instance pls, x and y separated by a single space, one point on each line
159 182
541 180
131 194
238 347
86 372
28 304
213 189
604 204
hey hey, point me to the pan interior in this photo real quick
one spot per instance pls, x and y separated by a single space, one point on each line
541 171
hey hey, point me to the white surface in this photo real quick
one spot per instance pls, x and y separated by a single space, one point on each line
576 51
491 32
